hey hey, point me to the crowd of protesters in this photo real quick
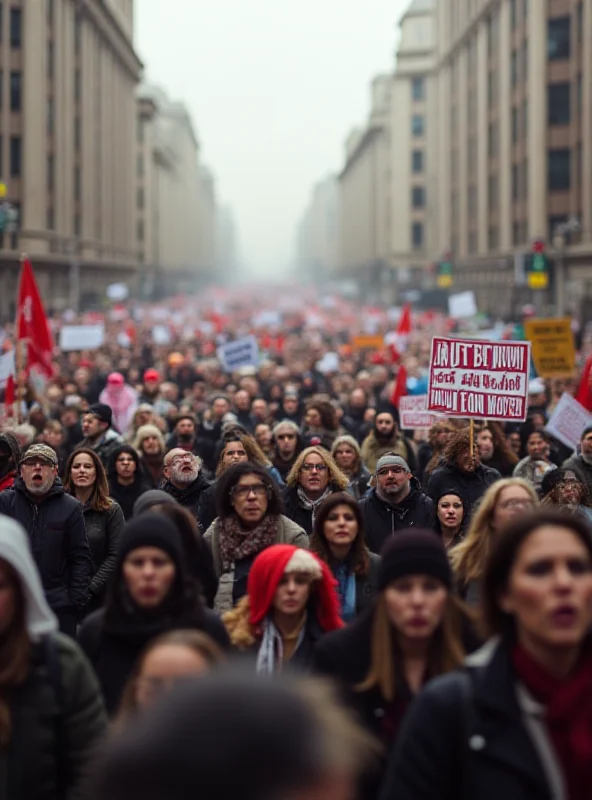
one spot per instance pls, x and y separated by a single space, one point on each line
258 580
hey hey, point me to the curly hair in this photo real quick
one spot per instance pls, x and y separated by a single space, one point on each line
254 453
458 445
437 449
99 498
358 558
242 634
336 476
327 412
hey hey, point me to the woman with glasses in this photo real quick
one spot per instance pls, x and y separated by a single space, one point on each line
501 504
314 476
249 520
86 480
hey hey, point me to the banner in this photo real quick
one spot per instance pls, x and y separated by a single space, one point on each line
367 342
31 323
413 413
483 380
241 353
462 305
81 337
553 350
568 420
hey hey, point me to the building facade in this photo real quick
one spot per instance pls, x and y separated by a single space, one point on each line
515 148
318 235
68 77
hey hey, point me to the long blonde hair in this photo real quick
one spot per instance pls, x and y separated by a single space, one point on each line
336 476
446 650
469 556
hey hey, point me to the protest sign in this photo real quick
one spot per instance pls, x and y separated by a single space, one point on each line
568 420
462 305
553 350
81 337
470 378
413 412
7 366
161 334
241 353
367 342
328 363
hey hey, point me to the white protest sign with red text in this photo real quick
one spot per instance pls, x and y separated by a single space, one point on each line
413 413
483 380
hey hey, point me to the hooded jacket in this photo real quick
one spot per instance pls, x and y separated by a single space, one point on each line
126 496
382 519
7 480
57 535
40 763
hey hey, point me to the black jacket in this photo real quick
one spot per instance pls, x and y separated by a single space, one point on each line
471 486
382 519
126 496
467 739
191 497
296 512
104 529
58 539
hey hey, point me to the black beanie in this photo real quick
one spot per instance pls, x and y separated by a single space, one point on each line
151 498
414 552
152 530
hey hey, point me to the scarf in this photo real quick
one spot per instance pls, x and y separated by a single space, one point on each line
568 716
347 591
236 543
270 657
312 505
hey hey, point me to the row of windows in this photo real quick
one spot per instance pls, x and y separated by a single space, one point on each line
15 155
16 26
15 91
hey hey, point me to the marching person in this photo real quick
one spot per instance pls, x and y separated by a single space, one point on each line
98 432
348 457
184 479
126 480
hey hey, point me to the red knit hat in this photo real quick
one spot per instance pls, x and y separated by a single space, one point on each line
267 571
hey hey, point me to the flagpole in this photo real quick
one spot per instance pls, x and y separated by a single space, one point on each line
19 355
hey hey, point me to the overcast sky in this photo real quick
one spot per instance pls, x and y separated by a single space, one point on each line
273 88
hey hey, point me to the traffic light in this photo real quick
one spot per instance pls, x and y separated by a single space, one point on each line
444 278
537 266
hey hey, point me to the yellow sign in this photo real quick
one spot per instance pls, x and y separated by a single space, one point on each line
444 281
367 342
538 280
3 190
553 350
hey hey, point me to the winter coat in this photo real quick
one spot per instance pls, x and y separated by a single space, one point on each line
59 543
372 450
190 498
382 519
114 656
106 446
475 733
104 529
365 584
288 532
425 452
353 422
471 486
56 726
582 470
126 496
296 511
7 482
359 483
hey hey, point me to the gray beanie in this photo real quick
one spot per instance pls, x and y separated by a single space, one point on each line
390 460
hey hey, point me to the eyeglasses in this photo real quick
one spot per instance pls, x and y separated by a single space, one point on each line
314 467
286 436
36 462
513 504
387 471
258 489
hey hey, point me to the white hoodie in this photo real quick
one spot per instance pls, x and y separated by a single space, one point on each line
14 549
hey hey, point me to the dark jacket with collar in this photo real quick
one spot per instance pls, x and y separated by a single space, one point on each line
382 519
191 497
475 733
471 486
57 534
104 529
295 511
106 446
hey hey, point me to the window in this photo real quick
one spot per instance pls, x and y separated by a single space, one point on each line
418 197
77 184
50 173
553 222
16 27
140 165
492 238
50 59
525 119
140 230
140 199
77 225
141 131
49 120
525 179
513 13
516 233
417 235
418 89
77 133
50 219
559 170
417 125
472 201
515 124
15 91
492 140
472 244
417 161
77 86
15 156
492 192
77 33
514 68
525 60
558 38
559 107
49 10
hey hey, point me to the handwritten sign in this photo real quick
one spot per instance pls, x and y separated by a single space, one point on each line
483 380
553 350
413 413
568 420
243 352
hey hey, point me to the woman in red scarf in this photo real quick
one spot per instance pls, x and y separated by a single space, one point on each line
517 722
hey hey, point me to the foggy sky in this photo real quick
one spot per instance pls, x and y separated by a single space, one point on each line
273 88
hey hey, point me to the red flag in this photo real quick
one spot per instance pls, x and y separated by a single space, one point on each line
398 340
584 394
9 394
400 388
31 323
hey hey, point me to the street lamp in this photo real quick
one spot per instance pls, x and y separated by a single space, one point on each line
561 234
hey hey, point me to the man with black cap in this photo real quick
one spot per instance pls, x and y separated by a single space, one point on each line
55 526
396 502
10 456
99 434
581 463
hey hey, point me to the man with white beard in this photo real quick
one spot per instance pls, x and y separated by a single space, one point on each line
184 479
57 534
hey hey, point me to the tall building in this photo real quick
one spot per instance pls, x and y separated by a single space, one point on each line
515 147
365 186
227 248
413 162
207 223
68 76
318 236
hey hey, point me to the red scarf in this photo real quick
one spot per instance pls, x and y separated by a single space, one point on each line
568 716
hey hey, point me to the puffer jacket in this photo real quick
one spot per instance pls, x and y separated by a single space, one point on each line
104 529
382 519
56 531
288 532
56 725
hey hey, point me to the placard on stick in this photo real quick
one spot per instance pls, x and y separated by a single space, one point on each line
471 378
